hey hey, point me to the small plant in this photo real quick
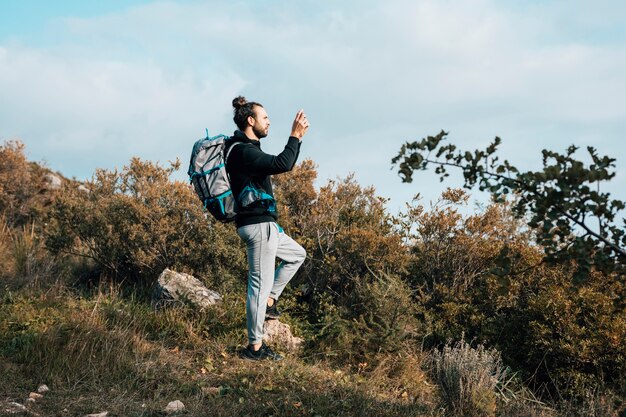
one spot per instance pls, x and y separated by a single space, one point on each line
23 257
25 246
467 378
595 402
5 242
526 408
21 186
375 321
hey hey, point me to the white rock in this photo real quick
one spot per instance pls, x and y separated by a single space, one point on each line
43 388
53 180
176 287
275 332
83 189
102 414
13 408
174 406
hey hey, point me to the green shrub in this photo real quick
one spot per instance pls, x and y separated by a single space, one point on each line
564 339
576 336
137 222
595 402
345 229
526 408
377 320
22 186
24 259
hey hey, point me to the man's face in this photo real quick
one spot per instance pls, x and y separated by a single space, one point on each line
261 126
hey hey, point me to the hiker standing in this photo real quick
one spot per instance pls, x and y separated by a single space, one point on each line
249 169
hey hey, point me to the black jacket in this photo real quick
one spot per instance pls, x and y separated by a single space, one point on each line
248 164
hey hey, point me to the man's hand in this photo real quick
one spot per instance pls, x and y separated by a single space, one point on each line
300 125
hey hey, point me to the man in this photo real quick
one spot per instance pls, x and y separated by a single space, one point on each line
249 169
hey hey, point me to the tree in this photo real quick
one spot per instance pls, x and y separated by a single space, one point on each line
572 219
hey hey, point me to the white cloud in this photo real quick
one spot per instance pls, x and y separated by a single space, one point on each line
370 75
80 113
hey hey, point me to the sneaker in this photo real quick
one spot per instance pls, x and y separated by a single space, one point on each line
263 353
272 313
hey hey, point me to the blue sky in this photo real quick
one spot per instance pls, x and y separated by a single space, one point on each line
88 84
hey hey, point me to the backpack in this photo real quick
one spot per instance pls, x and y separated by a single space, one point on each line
207 173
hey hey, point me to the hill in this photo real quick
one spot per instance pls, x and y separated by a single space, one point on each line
400 315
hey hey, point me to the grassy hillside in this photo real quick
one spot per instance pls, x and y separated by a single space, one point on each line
401 315
101 351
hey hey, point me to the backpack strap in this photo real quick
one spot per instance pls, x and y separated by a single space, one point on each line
228 152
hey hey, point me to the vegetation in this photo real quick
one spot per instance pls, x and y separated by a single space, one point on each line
135 223
468 379
415 314
572 218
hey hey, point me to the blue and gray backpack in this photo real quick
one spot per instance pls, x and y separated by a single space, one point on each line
207 173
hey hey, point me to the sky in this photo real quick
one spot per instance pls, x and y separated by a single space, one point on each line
89 84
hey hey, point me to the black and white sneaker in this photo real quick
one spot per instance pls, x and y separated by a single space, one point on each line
272 313
263 353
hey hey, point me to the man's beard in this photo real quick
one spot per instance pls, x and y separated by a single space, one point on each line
259 132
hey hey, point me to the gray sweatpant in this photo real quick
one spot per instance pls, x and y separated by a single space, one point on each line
265 242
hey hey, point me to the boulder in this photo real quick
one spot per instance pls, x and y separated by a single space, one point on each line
14 408
277 333
43 388
53 181
180 288
102 414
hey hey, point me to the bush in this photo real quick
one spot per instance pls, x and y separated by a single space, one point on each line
595 403
350 289
467 378
562 338
378 320
22 183
135 223
575 336
525 408
344 228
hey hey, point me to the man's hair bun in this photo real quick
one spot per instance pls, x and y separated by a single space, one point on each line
239 102
242 110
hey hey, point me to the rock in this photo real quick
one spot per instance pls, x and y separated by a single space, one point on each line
35 396
102 414
14 408
174 407
54 181
177 288
275 332
30 401
83 189
43 388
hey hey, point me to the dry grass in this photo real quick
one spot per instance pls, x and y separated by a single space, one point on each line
23 257
106 352
595 403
